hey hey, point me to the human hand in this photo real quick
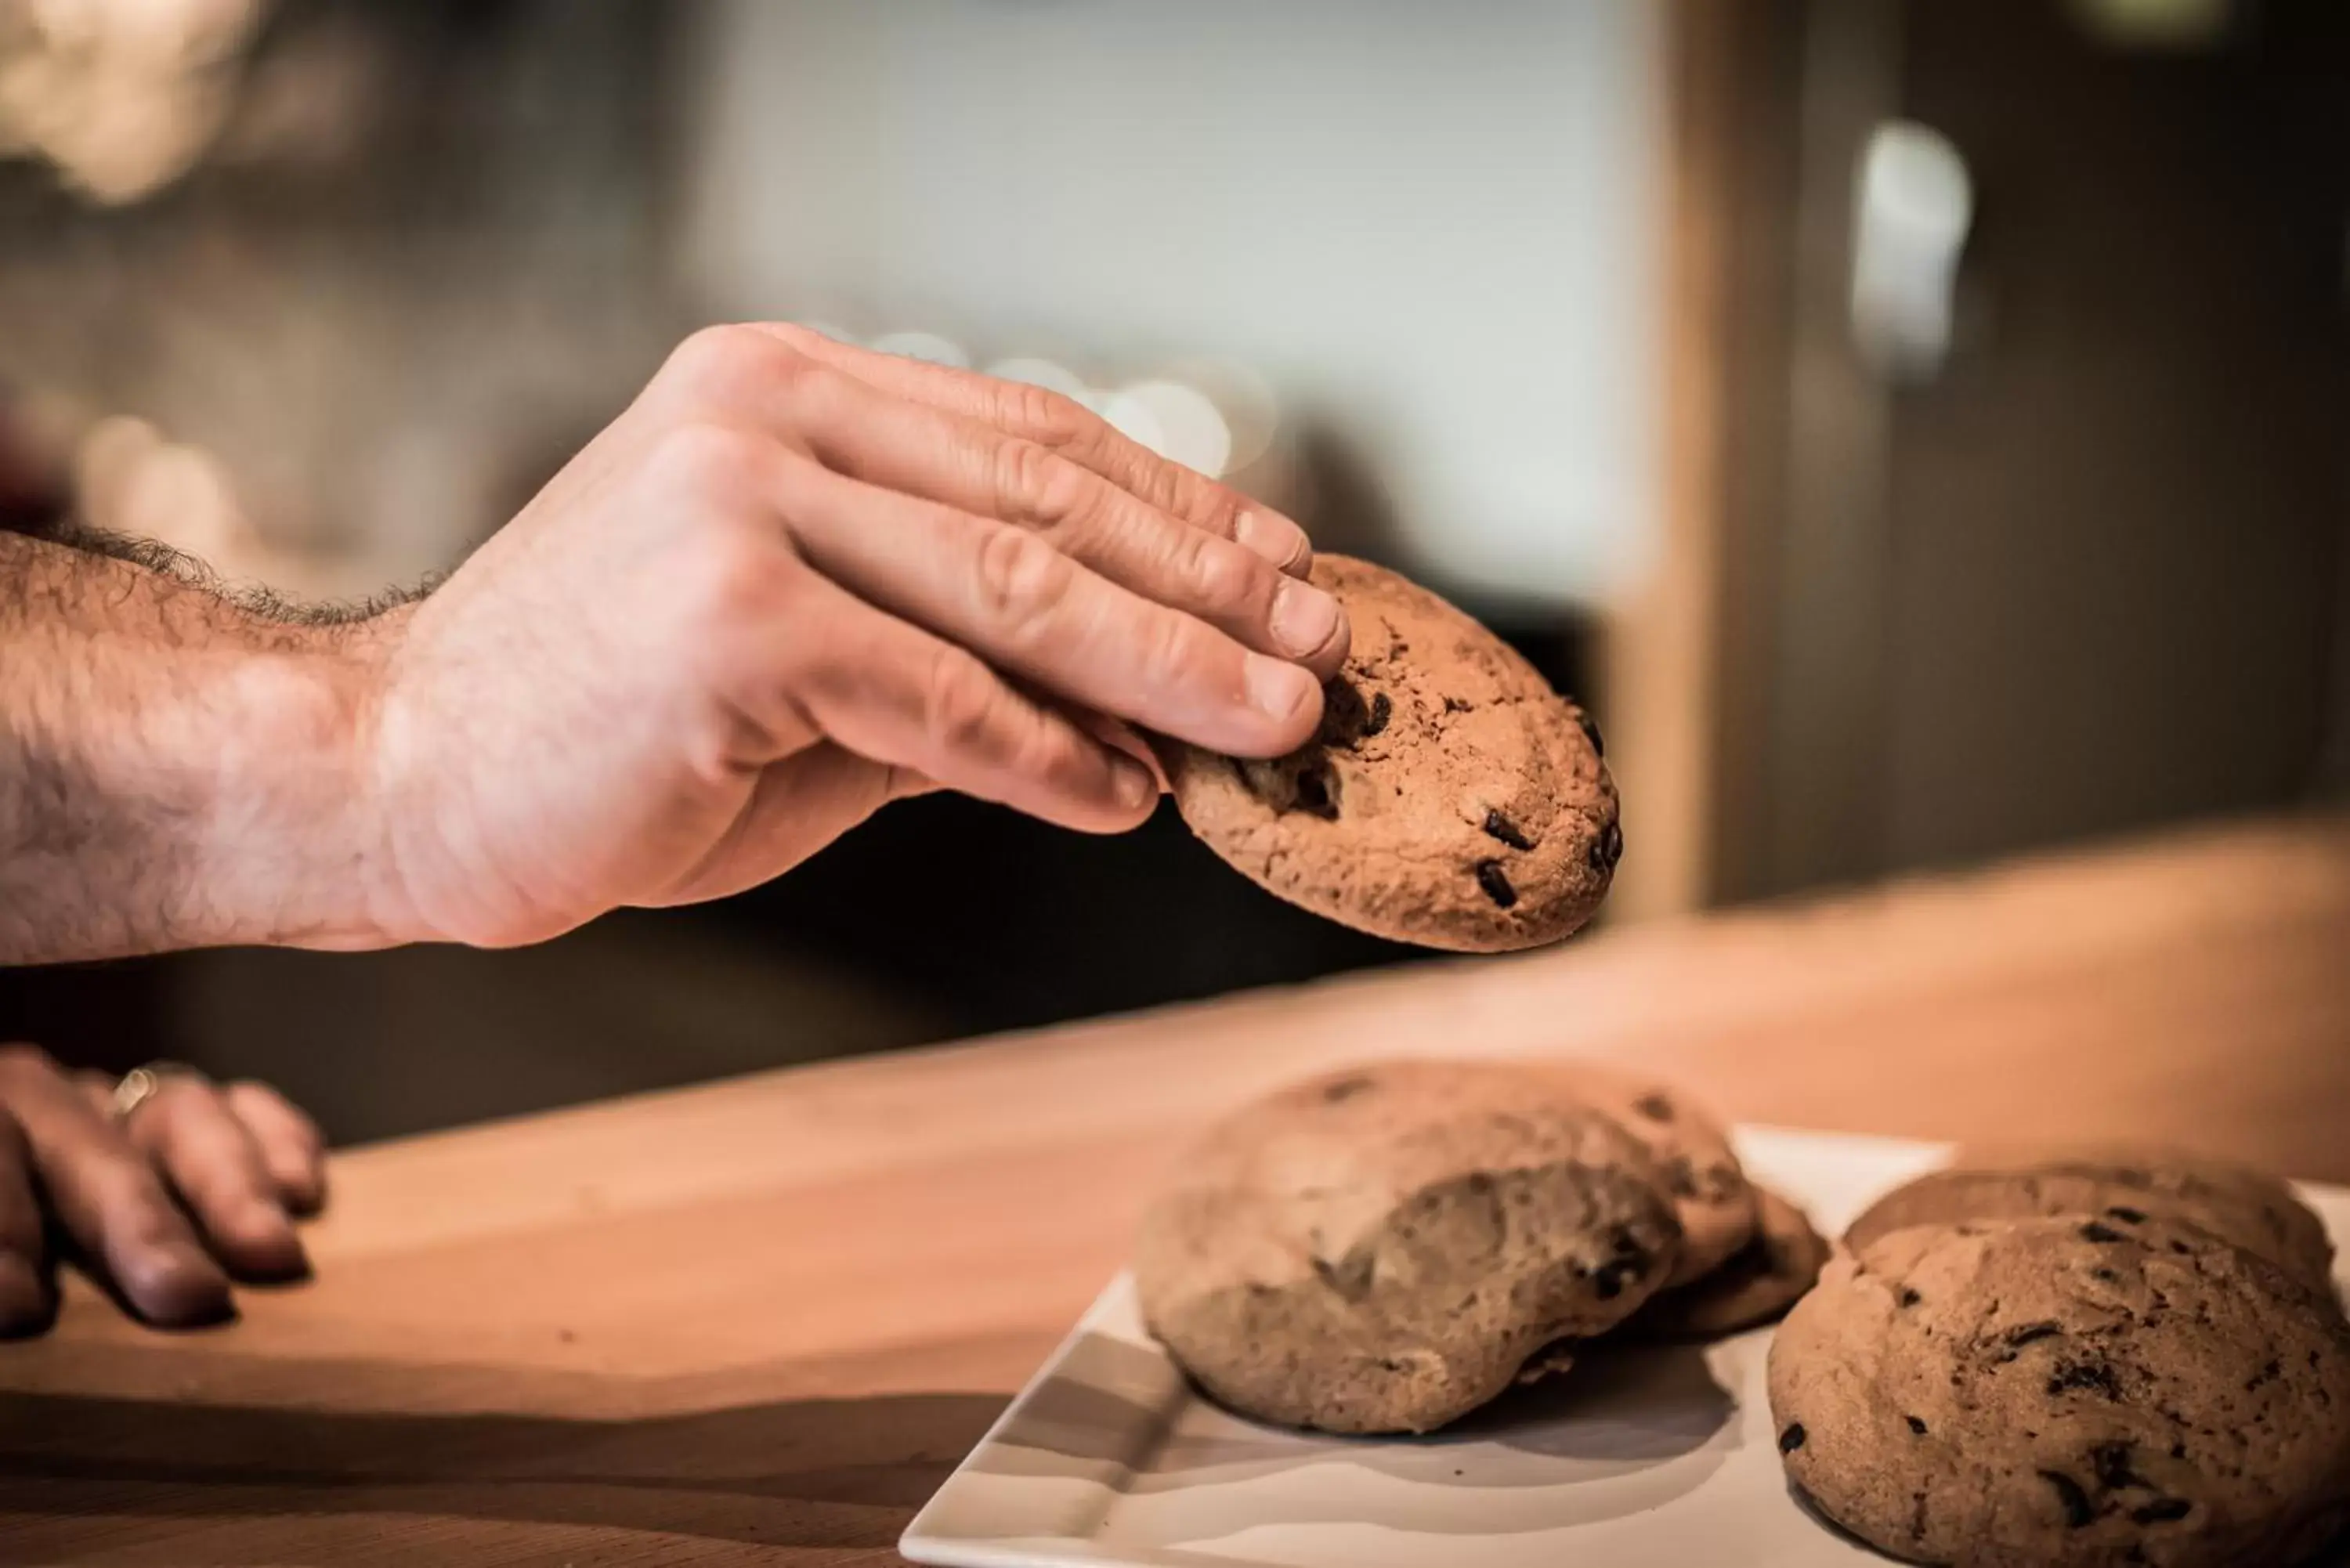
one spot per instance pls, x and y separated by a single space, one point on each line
197 1185
795 580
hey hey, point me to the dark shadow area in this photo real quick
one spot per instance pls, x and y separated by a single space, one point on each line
1629 1429
839 1474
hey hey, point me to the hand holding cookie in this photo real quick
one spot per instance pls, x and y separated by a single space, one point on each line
793 581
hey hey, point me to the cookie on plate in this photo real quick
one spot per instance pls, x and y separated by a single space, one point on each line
1450 798
1711 1198
2064 1391
1763 1279
2251 1208
1384 1249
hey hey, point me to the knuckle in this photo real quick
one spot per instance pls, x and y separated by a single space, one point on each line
706 360
177 1103
1173 651
1037 485
964 706
735 364
1219 575
791 335
1215 509
1020 579
253 1095
1043 416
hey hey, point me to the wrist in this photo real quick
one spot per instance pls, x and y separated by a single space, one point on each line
293 846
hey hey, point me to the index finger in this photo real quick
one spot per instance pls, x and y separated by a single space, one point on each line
1065 426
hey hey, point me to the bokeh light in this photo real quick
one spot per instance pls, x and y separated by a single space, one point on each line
1189 427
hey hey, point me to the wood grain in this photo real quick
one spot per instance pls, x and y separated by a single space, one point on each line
756 1321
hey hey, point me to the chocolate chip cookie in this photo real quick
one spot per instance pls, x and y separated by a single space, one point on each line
1450 798
1383 1249
1711 1198
2249 1208
1761 1279
2067 1391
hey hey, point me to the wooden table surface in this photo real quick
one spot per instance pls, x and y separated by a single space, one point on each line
759 1320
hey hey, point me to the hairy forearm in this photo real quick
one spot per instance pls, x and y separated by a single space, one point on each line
177 769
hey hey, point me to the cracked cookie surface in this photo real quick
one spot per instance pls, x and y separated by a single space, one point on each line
1387 1247
1450 798
1716 1205
2067 1390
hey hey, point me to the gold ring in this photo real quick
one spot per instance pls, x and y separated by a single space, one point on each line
141 1084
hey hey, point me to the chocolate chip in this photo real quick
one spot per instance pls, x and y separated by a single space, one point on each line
1656 1107
2089 1374
1343 716
1346 1089
2268 1374
2162 1510
2107 1275
1302 781
1591 733
2181 1248
1916 1425
1376 719
1608 848
1791 1438
1315 794
1457 705
1609 1278
2112 1464
2128 1215
1908 1297
2093 1232
1496 886
1503 828
2025 1333
1680 1176
2076 1503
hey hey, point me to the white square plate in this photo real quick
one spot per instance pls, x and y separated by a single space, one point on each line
1652 1456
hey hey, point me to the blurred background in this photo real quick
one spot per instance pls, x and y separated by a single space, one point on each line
1921 431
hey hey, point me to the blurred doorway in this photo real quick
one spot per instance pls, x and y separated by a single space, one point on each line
2088 575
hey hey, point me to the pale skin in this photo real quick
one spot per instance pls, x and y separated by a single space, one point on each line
793 581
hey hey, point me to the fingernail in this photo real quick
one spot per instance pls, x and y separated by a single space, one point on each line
175 1286
266 1248
1304 618
1272 535
1277 688
1133 782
